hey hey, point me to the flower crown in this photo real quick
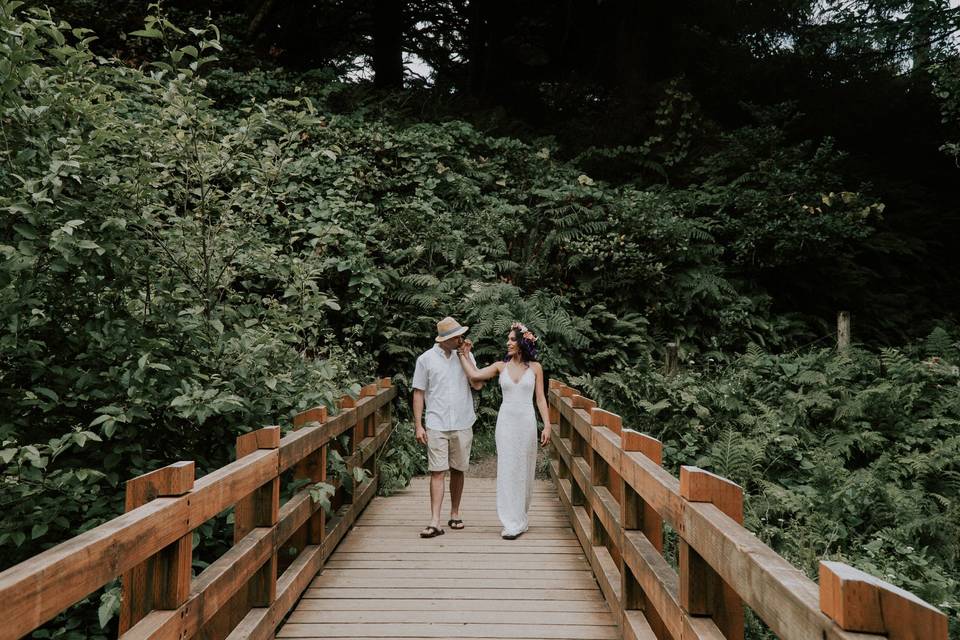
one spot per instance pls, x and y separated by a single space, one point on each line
526 333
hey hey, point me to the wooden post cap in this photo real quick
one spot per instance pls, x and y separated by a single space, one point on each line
368 390
697 485
384 383
316 414
582 402
649 446
172 480
567 392
602 418
346 402
555 384
857 601
265 438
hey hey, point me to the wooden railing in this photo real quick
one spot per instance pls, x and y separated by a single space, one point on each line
277 549
618 498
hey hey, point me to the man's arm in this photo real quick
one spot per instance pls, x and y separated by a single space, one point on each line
420 432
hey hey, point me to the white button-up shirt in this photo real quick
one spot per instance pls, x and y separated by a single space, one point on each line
449 402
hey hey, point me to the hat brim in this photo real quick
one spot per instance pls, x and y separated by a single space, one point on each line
454 334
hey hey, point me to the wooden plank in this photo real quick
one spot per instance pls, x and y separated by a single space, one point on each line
857 601
163 580
528 547
210 591
297 445
356 582
601 418
39 588
608 576
456 593
427 616
462 561
260 509
636 627
784 598
468 575
661 589
410 604
403 532
448 631
702 590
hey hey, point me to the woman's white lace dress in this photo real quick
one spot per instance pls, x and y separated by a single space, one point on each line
516 451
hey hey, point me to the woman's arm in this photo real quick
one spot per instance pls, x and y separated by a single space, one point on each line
474 374
542 405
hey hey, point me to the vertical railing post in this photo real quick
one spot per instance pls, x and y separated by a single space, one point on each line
613 422
347 403
260 509
162 581
637 514
561 427
578 449
369 427
702 591
313 468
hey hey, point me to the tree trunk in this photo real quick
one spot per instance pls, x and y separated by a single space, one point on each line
388 44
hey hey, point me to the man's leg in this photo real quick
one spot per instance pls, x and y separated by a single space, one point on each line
459 463
456 491
436 496
437 462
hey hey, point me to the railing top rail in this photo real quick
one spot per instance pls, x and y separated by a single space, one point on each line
40 587
706 511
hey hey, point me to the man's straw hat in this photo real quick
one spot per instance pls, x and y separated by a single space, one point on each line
449 328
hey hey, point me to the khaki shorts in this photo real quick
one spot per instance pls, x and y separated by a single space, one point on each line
449 449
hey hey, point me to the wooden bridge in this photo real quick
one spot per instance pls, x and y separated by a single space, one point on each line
593 564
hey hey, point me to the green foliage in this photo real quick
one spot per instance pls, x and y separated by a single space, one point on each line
841 455
187 254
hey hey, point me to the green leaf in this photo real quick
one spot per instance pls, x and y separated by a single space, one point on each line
146 33
27 232
109 606
38 530
6 455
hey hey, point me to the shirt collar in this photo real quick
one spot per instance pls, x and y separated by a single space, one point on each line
440 352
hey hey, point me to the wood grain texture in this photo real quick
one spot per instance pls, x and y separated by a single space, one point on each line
163 580
857 601
702 591
385 579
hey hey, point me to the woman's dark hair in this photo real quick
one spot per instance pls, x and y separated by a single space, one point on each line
528 348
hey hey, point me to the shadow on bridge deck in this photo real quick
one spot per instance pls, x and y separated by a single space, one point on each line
383 581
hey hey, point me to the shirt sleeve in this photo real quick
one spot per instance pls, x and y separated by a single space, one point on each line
420 375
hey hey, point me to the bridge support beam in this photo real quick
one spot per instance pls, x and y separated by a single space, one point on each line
702 591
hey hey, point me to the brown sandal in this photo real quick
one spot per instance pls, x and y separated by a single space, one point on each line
455 524
431 532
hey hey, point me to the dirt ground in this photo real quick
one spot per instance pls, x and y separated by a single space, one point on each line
487 467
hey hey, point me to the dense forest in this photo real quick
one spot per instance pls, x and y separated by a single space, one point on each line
217 214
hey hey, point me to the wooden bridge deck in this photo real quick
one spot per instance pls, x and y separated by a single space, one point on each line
383 581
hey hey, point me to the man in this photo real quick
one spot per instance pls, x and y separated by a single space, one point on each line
441 386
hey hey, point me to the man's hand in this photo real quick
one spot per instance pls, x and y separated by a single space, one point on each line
421 435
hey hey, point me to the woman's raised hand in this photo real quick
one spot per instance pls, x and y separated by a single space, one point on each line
465 347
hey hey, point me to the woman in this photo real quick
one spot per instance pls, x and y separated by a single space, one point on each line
521 379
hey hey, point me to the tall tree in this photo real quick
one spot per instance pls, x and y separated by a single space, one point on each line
388 27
